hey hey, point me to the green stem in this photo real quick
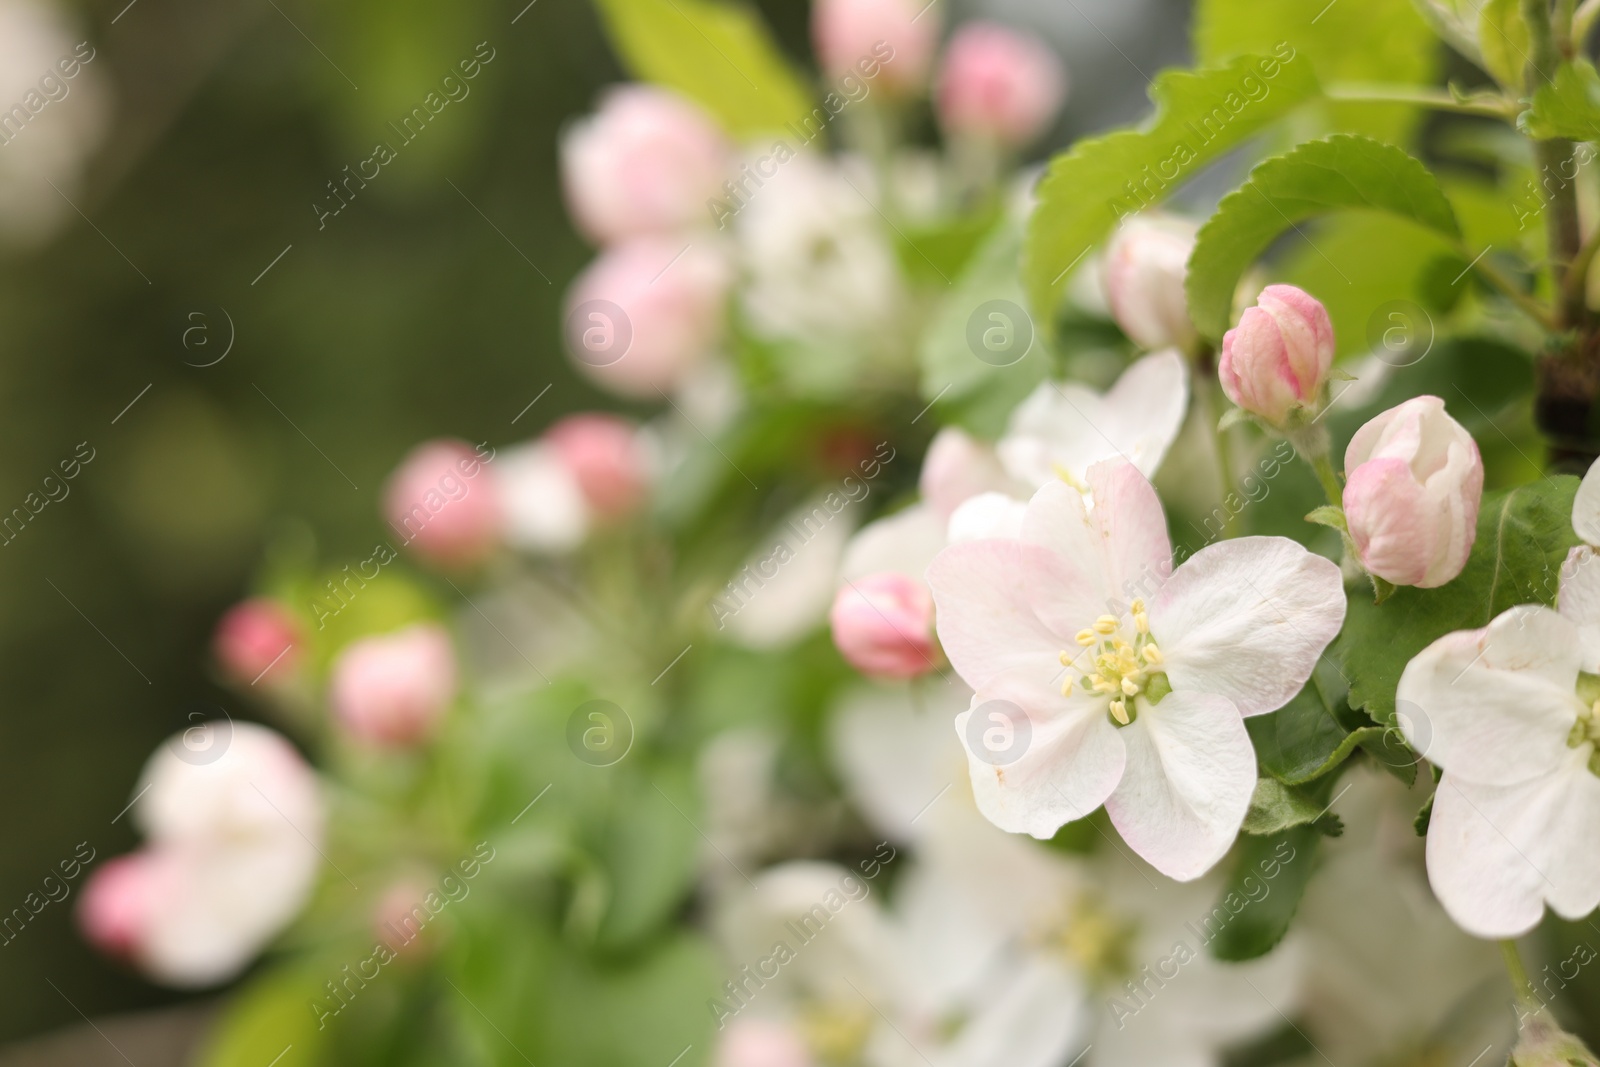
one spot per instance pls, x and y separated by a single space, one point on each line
1565 17
1364 93
1554 157
1329 479
1508 289
1520 984
1206 411
1577 284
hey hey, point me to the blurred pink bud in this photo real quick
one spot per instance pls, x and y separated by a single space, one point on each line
646 162
957 468
1001 83
888 43
1278 357
760 1043
255 635
401 918
440 502
883 625
394 689
1415 483
647 313
606 457
120 900
1145 266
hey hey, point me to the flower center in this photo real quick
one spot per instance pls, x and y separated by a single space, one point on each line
1117 667
1094 939
836 1032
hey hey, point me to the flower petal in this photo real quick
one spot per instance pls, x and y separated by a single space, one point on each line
1132 527
1494 705
1579 601
902 543
980 589
1586 506
1187 783
1247 619
1497 853
1073 760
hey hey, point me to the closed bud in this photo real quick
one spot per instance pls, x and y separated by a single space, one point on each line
256 636
670 296
395 688
441 506
883 625
1277 359
998 83
894 38
607 459
758 1042
646 163
1145 266
1415 481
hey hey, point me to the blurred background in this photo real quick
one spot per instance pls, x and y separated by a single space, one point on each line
228 365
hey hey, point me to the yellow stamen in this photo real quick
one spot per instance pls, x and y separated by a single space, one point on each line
1106 624
1141 622
1066 687
1137 607
1066 660
1152 655
1128 687
1119 712
1085 638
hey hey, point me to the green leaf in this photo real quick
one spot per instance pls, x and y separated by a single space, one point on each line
272 1014
1199 115
649 856
1349 41
1341 172
1263 892
1523 537
979 392
1568 106
1306 738
720 55
1275 807
1503 41
1328 515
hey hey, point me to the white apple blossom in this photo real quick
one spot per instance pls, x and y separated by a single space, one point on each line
1062 429
1104 917
1507 715
1132 703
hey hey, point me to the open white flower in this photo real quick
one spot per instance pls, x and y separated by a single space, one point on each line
1125 701
1506 713
1062 429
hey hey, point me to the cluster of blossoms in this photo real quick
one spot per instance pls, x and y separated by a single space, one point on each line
1026 652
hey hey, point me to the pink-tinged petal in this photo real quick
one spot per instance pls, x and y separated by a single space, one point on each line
1390 520
1579 602
902 543
1187 783
1495 705
985 623
1150 401
1586 506
1073 760
1070 587
1132 527
1498 853
1247 619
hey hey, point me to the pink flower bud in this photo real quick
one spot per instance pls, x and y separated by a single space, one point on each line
883 625
647 162
887 43
394 689
119 901
1277 358
1000 83
1145 266
606 457
254 636
443 507
646 314
1415 483
402 920
760 1043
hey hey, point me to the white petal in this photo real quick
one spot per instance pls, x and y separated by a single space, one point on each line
786 586
544 506
1034 1016
1496 854
1073 761
896 758
1494 705
1579 601
902 543
1247 619
1187 783
985 622
986 516
1586 506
